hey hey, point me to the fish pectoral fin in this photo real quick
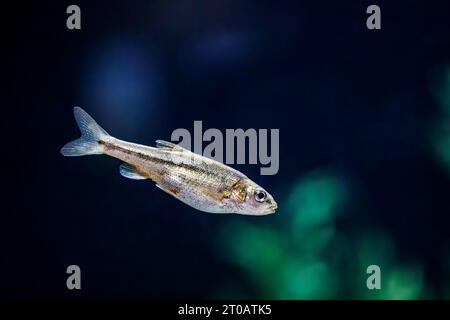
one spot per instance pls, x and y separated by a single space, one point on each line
172 190
128 171
217 196
161 144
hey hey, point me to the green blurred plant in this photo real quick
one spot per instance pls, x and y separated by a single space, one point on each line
286 259
440 132
298 254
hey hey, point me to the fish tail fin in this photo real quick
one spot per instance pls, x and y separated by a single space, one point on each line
91 135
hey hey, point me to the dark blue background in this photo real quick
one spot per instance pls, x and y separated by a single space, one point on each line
358 101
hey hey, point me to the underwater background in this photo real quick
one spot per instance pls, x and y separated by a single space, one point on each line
364 120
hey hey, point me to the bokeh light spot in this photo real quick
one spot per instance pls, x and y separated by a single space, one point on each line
315 199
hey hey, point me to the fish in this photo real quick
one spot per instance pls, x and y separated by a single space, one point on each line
200 182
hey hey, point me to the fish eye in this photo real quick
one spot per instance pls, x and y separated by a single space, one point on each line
260 195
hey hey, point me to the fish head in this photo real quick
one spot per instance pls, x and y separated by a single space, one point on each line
248 198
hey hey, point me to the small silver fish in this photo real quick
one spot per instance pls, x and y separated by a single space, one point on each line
202 183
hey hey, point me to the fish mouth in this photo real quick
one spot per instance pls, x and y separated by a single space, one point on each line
273 207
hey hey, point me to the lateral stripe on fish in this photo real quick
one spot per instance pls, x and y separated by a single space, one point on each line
202 183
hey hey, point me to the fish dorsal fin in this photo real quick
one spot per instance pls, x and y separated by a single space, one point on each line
130 172
166 145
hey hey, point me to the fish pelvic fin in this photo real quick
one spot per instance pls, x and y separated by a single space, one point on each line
91 136
130 172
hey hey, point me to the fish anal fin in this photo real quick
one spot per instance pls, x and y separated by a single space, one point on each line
130 172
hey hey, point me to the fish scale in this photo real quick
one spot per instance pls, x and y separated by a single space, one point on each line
202 183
